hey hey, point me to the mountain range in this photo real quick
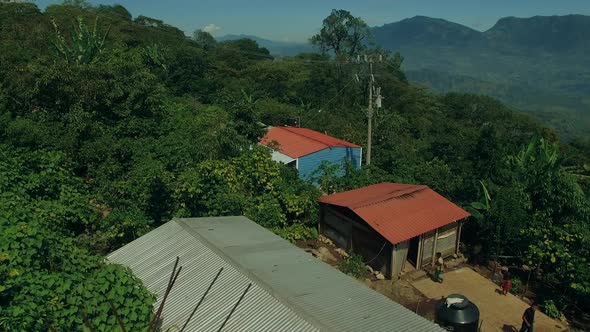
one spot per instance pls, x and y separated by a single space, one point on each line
539 65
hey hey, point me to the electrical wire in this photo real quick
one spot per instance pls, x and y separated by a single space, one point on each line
372 259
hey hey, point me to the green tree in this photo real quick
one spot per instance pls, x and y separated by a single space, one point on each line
342 33
204 39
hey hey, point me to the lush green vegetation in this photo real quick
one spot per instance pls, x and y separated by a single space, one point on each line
353 265
110 126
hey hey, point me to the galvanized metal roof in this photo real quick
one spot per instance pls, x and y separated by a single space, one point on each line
399 211
297 142
292 291
151 258
281 157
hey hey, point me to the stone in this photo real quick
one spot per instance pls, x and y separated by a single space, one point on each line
341 252
325 255
326 240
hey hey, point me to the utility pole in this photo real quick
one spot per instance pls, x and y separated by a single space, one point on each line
373 94
370 116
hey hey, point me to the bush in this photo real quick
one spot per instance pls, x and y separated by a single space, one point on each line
296 232
267 212
550 309
517 286
353 265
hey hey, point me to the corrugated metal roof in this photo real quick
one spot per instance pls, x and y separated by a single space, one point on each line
298 142
292 291
151 258
399 211
281 157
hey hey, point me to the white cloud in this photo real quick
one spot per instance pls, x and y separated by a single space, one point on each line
211 28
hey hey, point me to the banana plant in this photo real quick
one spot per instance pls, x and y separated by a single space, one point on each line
85 45
539 154
478 208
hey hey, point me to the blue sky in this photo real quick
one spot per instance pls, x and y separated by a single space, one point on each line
298 20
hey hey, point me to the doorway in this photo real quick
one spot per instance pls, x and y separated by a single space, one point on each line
413 251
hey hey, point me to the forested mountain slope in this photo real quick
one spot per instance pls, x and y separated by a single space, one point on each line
111 125
538 64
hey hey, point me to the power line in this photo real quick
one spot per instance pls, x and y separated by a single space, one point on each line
374 97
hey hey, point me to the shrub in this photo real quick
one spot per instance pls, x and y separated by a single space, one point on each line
517 286
550 309
296 232
353 265
267 212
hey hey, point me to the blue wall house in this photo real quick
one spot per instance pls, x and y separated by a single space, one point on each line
306 149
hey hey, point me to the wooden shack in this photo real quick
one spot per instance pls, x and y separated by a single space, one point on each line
392 224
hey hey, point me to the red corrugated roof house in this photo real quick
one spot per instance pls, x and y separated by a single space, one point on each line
306 149
390 223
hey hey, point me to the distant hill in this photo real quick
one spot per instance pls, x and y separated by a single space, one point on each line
539 64
426 31
555 34
276 48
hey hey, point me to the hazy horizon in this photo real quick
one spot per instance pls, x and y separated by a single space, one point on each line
296 22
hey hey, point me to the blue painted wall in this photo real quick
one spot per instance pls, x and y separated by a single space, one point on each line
337 155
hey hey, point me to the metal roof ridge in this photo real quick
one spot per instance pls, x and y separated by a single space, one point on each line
296 309
313 139
406 192
305 136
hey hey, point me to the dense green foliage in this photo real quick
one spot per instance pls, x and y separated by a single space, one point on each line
152 124
353 265
47 278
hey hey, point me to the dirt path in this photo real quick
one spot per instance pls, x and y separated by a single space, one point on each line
498 312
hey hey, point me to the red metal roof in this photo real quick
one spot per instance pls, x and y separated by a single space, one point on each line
298 142
399 211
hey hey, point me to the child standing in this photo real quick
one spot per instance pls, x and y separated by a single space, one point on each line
507 285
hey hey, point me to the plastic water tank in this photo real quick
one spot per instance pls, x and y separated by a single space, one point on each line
457 313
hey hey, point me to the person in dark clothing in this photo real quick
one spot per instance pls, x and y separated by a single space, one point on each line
528 318
439 266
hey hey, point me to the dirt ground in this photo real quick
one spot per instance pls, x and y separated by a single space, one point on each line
497 312
417 292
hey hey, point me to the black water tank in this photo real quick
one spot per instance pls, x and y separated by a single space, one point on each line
457 313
